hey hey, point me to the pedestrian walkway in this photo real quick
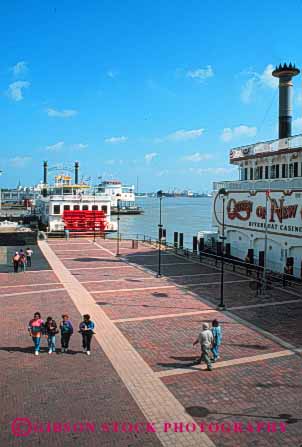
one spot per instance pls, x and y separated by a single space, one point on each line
142 364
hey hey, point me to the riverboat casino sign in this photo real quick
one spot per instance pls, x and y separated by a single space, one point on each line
280 215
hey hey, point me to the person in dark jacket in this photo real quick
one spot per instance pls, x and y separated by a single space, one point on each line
66 332
86 329
50 330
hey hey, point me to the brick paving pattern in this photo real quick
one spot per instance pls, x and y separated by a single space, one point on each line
159 336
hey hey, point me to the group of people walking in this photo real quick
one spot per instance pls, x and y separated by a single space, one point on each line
210 341
22 259
37 328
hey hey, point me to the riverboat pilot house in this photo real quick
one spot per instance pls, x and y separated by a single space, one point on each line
266 202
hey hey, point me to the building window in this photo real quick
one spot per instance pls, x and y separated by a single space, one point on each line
284 170
95 207
66 207
85 207
251 174
259 173
277 172
291 170
273 171
266 172
295 169
104 208
76 207
56 209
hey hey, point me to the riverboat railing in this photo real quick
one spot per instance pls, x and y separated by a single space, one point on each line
258 185
266 147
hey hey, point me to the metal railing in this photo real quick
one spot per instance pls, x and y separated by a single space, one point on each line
254 271
293 143
250 185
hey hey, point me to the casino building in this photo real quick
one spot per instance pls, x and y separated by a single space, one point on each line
262 211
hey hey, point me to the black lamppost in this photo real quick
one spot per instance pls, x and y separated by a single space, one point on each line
160 234
94 220
222 194
118 196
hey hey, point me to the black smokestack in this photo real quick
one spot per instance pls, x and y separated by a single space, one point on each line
45 172
285 74
76 172
45 167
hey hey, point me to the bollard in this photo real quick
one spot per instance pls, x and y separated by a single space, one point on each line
195 245
201 244
175 239
134 243
181 241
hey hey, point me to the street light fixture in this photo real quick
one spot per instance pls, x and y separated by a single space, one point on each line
160 233
222 194
118 196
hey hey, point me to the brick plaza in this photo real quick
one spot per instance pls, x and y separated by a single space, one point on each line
142 365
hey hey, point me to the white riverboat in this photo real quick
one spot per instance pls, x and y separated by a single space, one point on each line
66 195
261 213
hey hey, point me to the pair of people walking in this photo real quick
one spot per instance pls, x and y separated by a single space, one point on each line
22 260
210 341
37 328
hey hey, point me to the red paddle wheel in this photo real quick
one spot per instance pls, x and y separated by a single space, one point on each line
79 222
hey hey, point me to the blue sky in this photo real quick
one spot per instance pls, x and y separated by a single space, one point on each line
156 89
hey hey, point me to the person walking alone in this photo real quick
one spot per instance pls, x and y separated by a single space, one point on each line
66 332
205 338
86 329
16 260
35 329
50 329
29 254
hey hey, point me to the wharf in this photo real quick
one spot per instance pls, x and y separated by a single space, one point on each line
142 365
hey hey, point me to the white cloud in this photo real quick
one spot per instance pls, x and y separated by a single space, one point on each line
15 90
214 171
256 81
112 74
55 147
115 140
149 157
297 125
162 173
61 114
79 147
19 162
197 156
247 91
20 68
181 135
229 134
201 73
266 79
